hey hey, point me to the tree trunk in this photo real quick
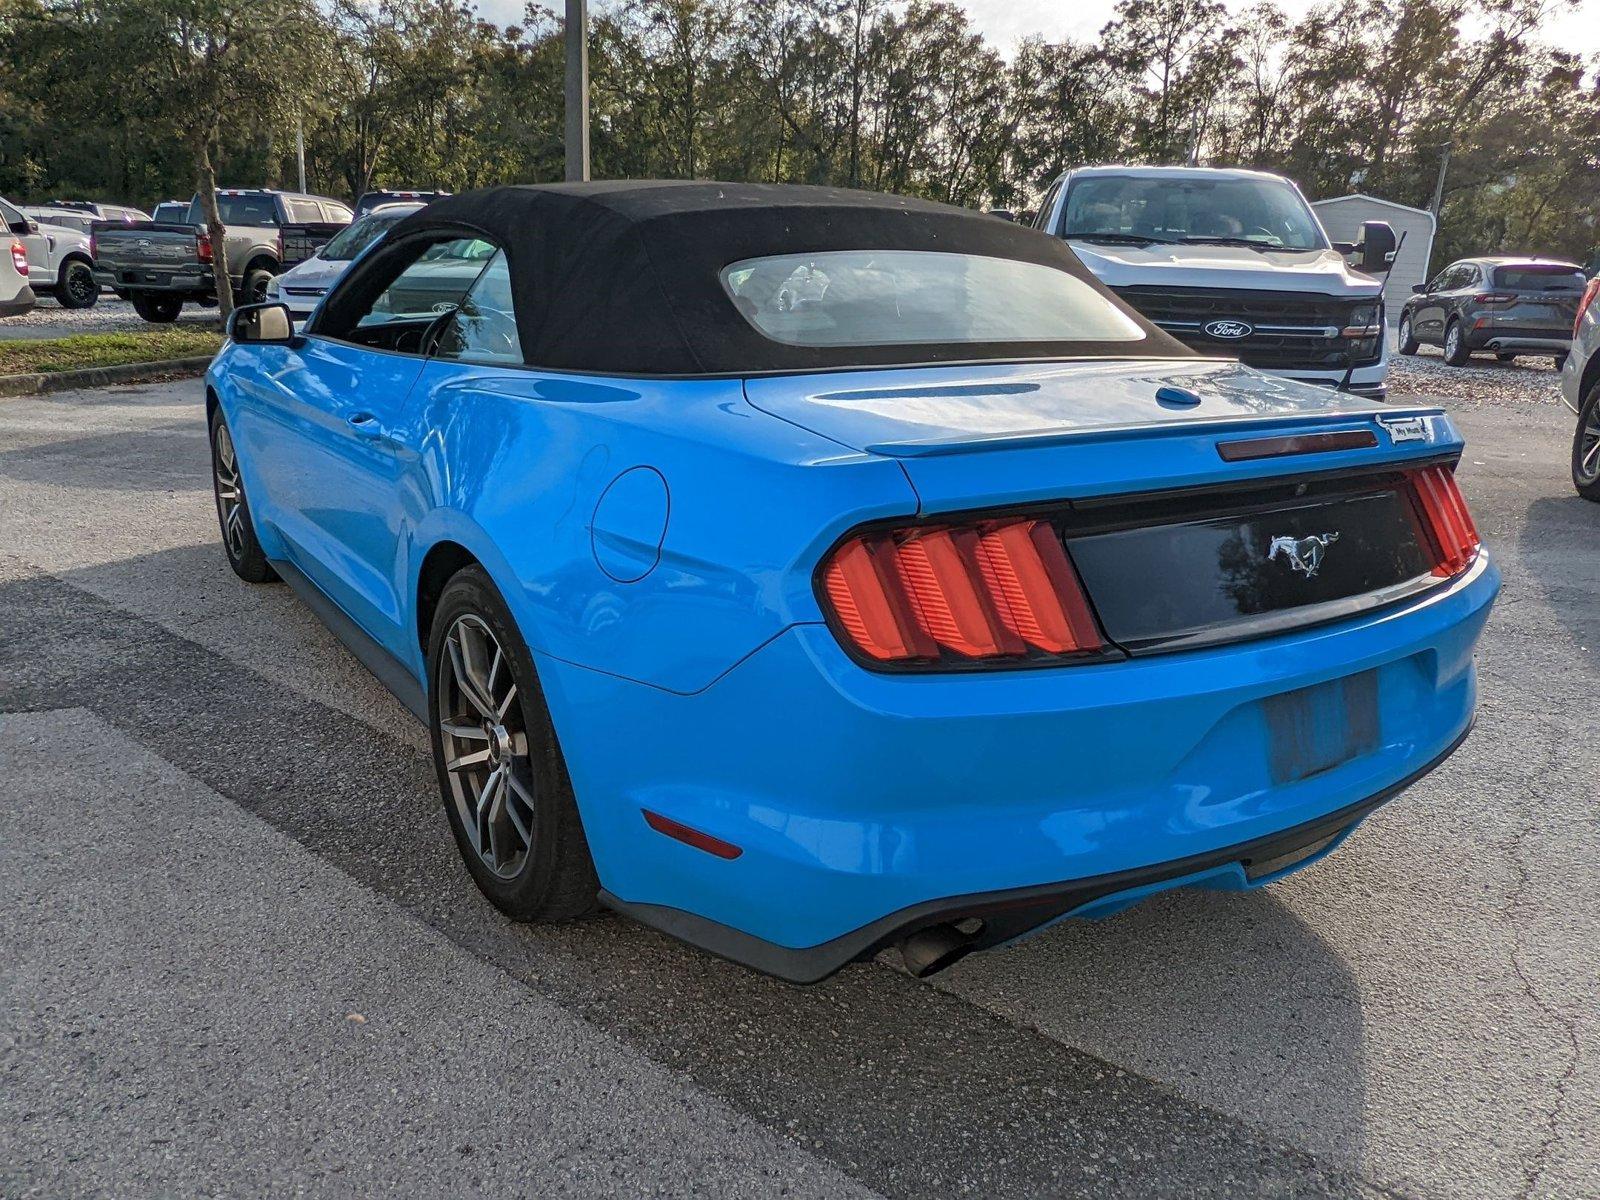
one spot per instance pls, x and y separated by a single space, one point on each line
219 234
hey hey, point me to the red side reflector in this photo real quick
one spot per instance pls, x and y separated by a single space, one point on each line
689 836
991 591
1450 526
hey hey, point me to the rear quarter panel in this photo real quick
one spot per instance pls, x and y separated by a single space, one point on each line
514 464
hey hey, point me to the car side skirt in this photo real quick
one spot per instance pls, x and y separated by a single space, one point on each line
1014 912
388 669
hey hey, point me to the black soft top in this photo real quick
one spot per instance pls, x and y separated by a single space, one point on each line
623 277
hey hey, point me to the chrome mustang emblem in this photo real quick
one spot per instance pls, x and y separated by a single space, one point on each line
1229 331
1304 554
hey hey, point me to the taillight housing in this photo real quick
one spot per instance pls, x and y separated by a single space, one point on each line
1590 295
1445 517
202 247
1495 298
986 593
19 258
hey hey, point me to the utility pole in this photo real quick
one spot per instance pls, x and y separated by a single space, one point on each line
300 146
577 138
1438 186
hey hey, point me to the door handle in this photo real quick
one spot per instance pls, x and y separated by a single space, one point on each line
365 424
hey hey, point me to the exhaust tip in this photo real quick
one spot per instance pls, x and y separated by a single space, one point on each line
929 951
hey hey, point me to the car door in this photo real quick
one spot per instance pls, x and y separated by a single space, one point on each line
1459 296
1427 318
331 440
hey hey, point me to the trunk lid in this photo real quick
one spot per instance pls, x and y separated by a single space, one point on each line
974 436
1199 502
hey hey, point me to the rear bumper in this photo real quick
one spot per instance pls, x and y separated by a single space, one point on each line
1529 343
1014 913
22 302
863 803
182 283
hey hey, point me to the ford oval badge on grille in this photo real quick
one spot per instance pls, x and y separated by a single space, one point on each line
1229 331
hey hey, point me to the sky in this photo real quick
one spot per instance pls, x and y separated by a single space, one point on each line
1006 22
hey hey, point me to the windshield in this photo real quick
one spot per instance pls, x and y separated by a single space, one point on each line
888 297
1264 212
238 210
353 239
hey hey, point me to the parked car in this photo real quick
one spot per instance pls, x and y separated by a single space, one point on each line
60 260
125 213
1072 614
169 211
1232 262
372 200
303 286
1580 389
16 296
162 265
67 218
1511 306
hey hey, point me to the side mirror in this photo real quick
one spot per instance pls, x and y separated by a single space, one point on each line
1377 247
33 226
261 324
1420 289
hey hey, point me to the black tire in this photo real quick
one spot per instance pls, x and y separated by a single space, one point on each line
233 511
159 310
1586 447
548 875
1456 353
253 289
1406 341
1502 356
75 287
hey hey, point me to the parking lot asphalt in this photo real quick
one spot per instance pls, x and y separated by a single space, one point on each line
222 846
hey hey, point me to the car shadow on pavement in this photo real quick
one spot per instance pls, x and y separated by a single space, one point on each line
910 1088
100 461
1231 997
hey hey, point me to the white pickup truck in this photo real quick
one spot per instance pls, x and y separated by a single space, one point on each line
1235 263
60 257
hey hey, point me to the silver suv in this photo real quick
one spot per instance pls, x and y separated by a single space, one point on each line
1580 389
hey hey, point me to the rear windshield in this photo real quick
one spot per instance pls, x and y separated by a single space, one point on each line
892 297
353 239
239 210
1539 279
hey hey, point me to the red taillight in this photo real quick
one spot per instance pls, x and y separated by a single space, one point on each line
1590 295
1494 298
19 257
993 591
1450 527
94 246
202 247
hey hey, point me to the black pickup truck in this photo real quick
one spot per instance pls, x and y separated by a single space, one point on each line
159 265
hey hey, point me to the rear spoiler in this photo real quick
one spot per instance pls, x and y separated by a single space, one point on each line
1397 421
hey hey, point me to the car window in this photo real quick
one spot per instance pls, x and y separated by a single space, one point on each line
9 215
435 282
485 328
239 210
1265 211
1539 278
336 213
358 235
304 212
903 297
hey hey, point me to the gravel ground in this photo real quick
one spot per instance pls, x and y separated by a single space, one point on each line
1484 381
110 315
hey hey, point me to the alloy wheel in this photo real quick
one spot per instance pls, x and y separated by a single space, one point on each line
230 493
1452 341
81 286
1589 447
485 746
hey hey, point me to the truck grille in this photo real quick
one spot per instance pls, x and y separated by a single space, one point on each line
1288 330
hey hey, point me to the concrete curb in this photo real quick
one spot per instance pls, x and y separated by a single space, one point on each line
93 377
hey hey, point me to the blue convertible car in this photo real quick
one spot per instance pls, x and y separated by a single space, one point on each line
804 572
